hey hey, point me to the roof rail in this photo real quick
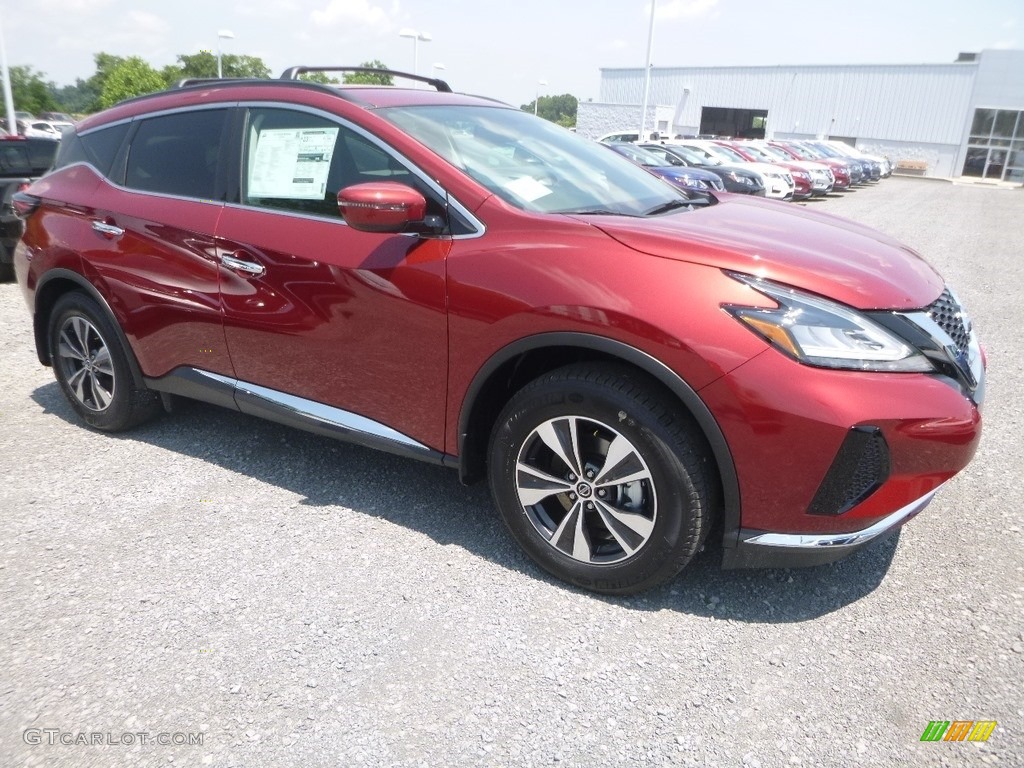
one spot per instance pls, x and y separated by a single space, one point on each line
292 73
187 81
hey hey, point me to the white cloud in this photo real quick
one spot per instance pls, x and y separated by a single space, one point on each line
1004 45
684 9
351 13
1009 24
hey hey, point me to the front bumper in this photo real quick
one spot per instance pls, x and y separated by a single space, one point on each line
758 549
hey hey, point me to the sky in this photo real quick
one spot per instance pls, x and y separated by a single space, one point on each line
504 49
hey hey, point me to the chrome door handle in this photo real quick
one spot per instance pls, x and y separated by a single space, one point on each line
248 267
111 230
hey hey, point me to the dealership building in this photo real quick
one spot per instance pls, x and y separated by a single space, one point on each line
963 118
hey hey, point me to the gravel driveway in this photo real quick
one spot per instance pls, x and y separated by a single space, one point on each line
287 600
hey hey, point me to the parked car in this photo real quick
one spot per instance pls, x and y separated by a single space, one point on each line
689 179
627 135
451 279
735 178
22 160
44 129
778 182
879 167
845 172
802 188
820 176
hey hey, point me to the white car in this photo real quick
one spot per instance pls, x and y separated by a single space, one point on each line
627 135
45 129
822 178
778 183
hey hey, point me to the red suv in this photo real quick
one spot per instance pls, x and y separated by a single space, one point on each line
452 279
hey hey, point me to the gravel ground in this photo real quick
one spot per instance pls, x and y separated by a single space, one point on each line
302 602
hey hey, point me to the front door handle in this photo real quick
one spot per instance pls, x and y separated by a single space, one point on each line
108 229
248 267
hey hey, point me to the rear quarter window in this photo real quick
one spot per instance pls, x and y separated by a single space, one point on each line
99 148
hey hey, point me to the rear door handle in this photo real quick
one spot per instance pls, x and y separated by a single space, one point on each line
105 228
241 265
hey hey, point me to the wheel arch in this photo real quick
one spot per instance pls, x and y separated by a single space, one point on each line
524 360
57 283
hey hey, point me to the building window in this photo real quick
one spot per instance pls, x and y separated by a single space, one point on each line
995 149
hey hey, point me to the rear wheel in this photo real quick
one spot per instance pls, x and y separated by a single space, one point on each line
601 479
92 367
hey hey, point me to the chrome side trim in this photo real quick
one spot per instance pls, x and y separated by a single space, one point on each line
328 415
839 540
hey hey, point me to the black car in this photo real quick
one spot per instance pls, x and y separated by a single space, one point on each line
735 179
22 161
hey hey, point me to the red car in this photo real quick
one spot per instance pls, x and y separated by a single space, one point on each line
801 178
454 280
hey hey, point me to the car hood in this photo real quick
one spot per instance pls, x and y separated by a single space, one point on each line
817 252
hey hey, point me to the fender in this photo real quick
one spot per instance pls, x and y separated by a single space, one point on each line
40 324
645 362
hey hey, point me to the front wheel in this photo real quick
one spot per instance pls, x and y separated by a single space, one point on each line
601 479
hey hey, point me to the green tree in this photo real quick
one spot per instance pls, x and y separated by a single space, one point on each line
557 109
369 78
31 93
204 64
318 77
77 98
130 77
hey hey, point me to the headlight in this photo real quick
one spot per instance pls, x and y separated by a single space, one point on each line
741 179
822 333
693 183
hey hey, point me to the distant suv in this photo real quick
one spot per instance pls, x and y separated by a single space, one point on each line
455 280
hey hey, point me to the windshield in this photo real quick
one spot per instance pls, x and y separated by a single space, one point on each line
759 153
804 152
693 156
534 164
730 153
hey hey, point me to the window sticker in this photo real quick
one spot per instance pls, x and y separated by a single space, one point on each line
292 163
528 188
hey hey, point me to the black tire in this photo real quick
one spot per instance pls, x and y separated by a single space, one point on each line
645 501
92 368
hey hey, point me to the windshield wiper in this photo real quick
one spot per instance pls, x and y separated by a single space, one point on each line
595 212
671 205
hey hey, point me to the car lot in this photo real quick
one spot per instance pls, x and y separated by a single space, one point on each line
303 602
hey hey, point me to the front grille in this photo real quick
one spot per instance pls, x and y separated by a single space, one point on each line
948 315
858 470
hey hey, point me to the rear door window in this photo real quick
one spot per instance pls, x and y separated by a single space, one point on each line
177 154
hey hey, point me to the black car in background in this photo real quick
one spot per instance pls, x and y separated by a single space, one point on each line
22 161
735 179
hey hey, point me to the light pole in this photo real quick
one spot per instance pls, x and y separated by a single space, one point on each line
224 34
647 74
12 123
416 37
536 102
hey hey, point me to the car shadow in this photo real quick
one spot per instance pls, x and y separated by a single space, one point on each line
432 501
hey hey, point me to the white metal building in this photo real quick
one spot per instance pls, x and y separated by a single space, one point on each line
946 120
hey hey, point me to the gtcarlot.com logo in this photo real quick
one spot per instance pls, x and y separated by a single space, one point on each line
959 730
54 736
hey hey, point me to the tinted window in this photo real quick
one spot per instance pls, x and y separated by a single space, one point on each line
177 154
27 157
98 148
295 161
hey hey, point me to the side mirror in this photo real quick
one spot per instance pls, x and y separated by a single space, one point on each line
381 206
